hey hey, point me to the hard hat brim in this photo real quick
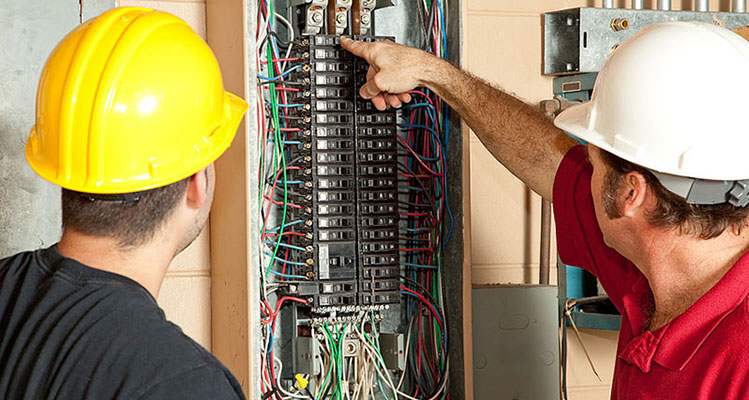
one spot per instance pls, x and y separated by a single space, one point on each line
575 121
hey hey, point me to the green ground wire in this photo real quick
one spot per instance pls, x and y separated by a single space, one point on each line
327 376
279 146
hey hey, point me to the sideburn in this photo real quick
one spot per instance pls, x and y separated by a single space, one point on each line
610 193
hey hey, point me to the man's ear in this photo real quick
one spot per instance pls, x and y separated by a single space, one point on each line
633 194
197 193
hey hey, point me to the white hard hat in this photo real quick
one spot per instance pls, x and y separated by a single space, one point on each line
672 99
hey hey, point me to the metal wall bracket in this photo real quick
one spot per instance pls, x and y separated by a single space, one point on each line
580 39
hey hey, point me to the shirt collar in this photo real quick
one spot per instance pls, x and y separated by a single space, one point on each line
682 337
674 344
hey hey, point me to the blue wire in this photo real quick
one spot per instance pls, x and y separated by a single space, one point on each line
299 264
287 245
286 142
416 230
417 126
439 316
420 266
286 105
265 78
287 276
299 221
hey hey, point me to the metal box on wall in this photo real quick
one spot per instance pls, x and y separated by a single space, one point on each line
515 342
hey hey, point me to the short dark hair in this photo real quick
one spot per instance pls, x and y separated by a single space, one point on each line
131 223
670 211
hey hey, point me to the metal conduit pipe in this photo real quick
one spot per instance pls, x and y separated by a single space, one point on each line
738 6
637 4
608 3
664 5
544 267
702 5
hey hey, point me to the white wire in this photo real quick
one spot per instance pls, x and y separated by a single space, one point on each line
278 381
291 38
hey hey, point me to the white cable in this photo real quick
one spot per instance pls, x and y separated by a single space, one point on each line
278 381
291 38
408 346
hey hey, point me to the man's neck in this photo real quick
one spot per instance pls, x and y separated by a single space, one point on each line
146 264
681 269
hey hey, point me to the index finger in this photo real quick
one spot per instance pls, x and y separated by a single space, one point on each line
360 49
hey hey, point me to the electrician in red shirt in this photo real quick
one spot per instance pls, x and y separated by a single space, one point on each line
654 205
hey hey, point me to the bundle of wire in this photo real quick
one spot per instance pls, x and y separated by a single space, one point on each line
425 212
423 136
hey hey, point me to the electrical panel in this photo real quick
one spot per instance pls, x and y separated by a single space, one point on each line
348 180
352 208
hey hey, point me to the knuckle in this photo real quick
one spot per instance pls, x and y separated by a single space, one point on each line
379 81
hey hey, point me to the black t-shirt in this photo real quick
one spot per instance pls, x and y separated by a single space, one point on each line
68 331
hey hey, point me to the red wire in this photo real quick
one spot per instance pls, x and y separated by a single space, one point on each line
275 60
427 303
278 203
286 233
283 299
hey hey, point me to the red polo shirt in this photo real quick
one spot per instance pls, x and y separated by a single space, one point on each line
702 354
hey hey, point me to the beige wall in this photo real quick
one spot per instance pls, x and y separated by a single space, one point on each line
186 293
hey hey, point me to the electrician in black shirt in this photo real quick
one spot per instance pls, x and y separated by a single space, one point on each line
130 116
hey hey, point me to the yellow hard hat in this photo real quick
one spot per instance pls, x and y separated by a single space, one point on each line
129 101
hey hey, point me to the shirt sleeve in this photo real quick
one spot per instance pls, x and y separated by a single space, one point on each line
204 382
579 238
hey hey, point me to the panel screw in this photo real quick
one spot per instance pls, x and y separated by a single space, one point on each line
619 24
340 19
365 19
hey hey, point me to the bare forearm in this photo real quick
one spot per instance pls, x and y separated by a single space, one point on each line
518 135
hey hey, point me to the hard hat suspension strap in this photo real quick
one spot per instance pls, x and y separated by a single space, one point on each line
120 197
705 191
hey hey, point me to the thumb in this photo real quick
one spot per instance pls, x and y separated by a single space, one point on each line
360 49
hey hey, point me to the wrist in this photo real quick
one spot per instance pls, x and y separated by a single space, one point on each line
434 71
